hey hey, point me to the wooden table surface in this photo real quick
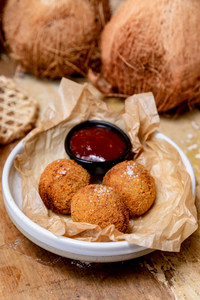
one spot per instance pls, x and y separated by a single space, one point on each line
30 272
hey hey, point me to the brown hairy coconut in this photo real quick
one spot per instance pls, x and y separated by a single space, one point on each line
2 3
153 46
55 38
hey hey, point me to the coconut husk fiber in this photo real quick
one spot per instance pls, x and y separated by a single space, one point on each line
2 2
55 38
153 46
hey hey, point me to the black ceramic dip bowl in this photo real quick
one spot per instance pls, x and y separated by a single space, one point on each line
97 145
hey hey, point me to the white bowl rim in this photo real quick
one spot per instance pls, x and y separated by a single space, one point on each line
87 248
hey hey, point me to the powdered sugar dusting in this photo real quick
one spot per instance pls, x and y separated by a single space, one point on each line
62 171
131 170
102 189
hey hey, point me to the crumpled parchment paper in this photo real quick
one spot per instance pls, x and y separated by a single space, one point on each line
173 216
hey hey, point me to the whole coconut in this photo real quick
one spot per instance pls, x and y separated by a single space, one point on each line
55 38
153 46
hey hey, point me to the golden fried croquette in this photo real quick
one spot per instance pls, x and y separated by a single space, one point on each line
134 184
58 183
99 205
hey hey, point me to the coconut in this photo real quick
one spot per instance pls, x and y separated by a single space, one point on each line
55 38
2 3
153 46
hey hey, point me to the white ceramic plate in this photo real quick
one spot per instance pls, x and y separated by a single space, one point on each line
70 248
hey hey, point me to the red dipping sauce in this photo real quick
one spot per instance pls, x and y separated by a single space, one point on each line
96 143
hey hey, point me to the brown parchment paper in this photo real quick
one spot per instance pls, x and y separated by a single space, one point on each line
173 216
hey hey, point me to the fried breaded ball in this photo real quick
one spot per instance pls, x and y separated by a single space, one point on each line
134 184
58 183
99 205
